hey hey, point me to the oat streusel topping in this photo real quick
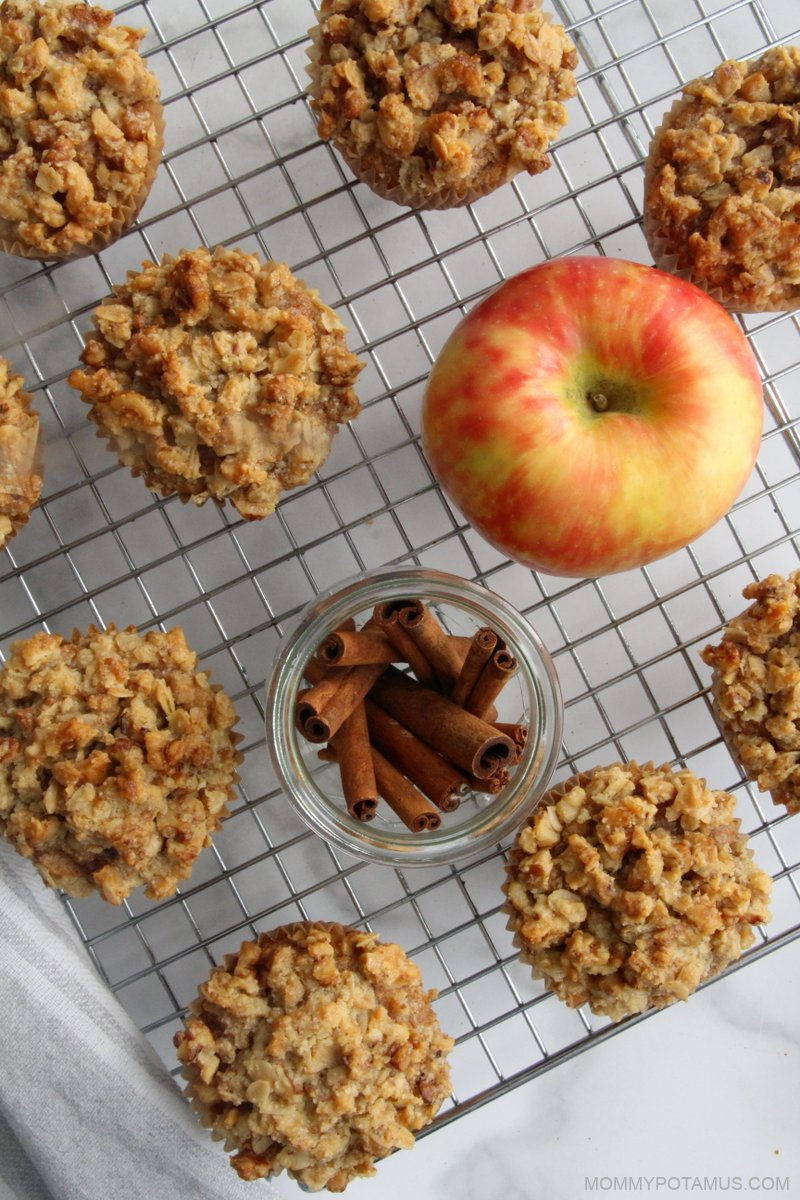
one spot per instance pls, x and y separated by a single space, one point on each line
20 481
443 99
723 190
315 1050
215 374
116 759
633 887
80 125
756 687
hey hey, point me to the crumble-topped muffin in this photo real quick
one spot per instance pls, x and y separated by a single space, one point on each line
314 1050
81 127
434 103
117 759
215 374
631 885
756 687
20 480
722 184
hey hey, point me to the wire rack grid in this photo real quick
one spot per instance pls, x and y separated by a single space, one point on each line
243 165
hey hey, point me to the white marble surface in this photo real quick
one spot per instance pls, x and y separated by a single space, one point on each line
704 1089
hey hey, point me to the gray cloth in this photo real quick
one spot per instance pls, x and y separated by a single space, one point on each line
87 1110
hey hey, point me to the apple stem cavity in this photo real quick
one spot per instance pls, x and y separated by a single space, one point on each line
610 396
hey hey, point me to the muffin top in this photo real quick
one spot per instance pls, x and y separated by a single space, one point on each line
442 99
80 126
218 375
631 885
756 686
315 1050
116 759
20 481
723 183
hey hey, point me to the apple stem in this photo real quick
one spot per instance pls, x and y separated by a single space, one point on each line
598 401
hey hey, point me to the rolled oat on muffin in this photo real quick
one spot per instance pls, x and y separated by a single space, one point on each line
214 374
434 103
630 885
722 184
117 759
314 1050
81 128
20 475
756 687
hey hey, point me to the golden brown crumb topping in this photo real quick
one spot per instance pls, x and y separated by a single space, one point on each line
315 1050
218 375
20 481
444 99
632 887
80 125
723 192
116 759
756 687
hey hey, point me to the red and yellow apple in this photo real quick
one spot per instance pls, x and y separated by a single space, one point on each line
591 415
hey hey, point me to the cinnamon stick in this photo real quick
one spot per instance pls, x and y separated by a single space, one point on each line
438 779
517 733
493 678
418 620
482 647
403 798
386 618
352 690
350 649
311 703
461 647
352 749
320 711
458 736
494 784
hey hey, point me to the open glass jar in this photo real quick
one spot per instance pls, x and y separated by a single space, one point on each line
532 697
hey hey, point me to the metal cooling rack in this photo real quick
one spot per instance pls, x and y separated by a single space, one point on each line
243 166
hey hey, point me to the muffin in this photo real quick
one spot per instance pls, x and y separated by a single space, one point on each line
631 885
756 687
214 374
117 759
722 184
437 102
20 478
314 1050
81 128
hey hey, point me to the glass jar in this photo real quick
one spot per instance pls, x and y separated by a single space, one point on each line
532 697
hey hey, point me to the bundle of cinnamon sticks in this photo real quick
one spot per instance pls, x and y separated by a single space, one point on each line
421 740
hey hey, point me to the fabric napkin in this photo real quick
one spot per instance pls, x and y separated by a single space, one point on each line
87 1110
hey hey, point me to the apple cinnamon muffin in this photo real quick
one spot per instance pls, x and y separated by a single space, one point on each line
756 687
722 184
215 374
631 885
434 103
117 759
81 128
314 1050
20 478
